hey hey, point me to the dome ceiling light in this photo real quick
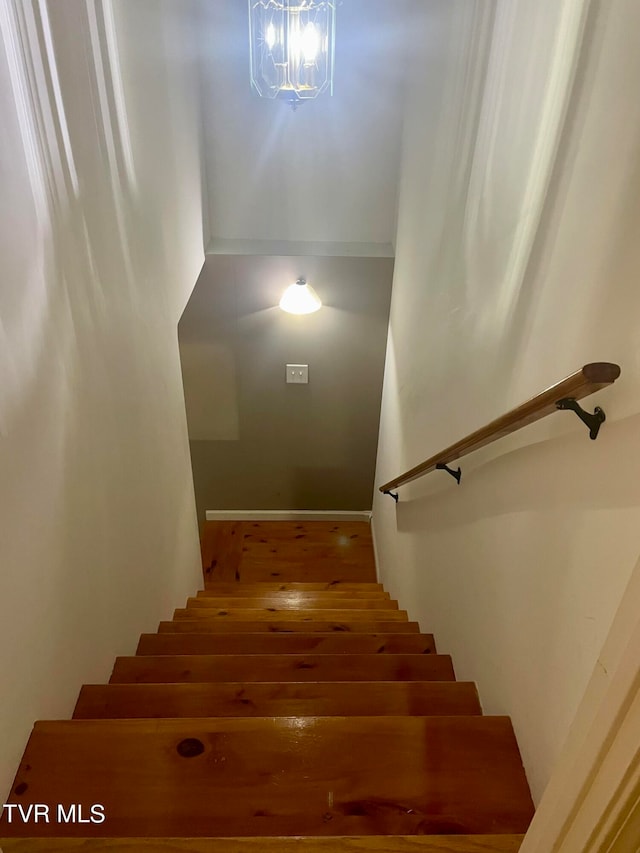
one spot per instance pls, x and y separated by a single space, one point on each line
300 298
292 48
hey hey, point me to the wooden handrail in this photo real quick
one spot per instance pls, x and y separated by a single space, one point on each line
583 382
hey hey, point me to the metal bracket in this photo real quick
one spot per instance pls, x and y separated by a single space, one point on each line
593 421
457 474
394 495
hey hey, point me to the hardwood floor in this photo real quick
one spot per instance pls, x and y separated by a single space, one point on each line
317 551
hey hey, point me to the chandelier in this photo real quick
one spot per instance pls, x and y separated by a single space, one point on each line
292 48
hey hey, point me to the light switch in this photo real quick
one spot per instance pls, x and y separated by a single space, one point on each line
297 374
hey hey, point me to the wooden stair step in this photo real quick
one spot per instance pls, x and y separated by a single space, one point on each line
342 776
292 601
378 844
230 588
194 611
300 595
312 570
152 669
190 625
295 699
297 595
285 644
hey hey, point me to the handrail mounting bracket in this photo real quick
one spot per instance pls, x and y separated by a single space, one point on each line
456 474
394 495
565 394
593 421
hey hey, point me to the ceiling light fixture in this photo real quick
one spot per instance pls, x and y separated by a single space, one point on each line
300 298
292 48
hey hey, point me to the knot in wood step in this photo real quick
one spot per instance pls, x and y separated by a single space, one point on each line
190 747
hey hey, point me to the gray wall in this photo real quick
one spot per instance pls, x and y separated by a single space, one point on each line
256 442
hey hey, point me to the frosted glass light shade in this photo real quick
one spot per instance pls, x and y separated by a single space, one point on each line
300 298
292 48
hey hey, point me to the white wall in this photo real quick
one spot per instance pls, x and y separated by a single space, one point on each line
518 260
101 241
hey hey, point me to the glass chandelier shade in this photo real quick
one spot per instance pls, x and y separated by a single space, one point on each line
300 298
292 48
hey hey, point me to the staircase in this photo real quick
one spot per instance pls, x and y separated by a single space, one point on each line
289 705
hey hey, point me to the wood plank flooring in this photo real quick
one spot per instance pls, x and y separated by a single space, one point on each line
316 551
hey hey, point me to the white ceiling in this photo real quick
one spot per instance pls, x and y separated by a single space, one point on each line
325 173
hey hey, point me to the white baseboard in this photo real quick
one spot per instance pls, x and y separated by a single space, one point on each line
286 515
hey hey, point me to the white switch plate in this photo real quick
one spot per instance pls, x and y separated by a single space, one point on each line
297 374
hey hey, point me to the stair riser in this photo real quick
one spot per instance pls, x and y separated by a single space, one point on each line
282 668
330 586
186 625
245 591
280 700
255 644
273 613
287 601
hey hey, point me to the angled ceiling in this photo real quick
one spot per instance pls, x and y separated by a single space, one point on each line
326 172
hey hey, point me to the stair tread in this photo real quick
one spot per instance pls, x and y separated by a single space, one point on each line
253 614
294 601
176 644
399 775
184 625
320 570
397 844
281 668
241 699
301 586
302 595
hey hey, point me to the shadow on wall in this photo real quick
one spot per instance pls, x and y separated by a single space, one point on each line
256 441
332 487
566 472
